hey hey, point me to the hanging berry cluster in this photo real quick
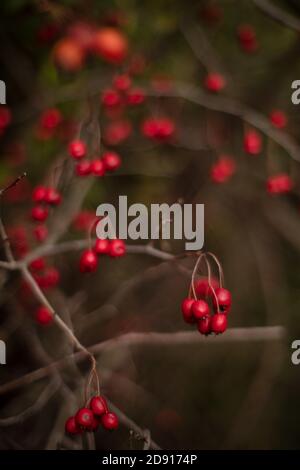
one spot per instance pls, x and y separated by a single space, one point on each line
109 162
89 259
94 413
208 302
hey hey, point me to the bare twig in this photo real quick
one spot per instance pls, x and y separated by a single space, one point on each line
278 14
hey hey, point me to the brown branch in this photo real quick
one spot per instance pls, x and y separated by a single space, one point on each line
267 333
234 108
278 14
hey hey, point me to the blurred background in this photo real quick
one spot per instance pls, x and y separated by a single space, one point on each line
172 87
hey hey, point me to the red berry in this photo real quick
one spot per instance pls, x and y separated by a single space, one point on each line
211 13
82 33
111 161
252 143
122 82
5 117
68 55
279 184
71 427
110 44
278 119
203 289
116 132
52 197
200 309
40 232
204 325
110 421
77 149
38 264
43 316
186 308
219 323
224 299
214 82
98 406
84 418
111 98
83 168
101 246
51 277
95 425
39 194
223 170
50 119
117 248
98 167
247 38
39 213
135 96
88 262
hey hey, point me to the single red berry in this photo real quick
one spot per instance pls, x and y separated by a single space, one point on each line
68 55
122 82
223 170
101 246
214 82
111 161
247 38
43 316
71 427
224 299
278 119
186 308
84 418
39 194
117 248
279 184
88 262
38 264
116 132
98 406
110 44
110 421
203 288
51 277
39 213
50 118
135 96
98 167
5 117
83 168
252 143
77 149
204 325
111 98
200 309
40 232
52 197
219 323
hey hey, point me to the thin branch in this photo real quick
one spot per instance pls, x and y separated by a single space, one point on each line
264 333
278 14
234 108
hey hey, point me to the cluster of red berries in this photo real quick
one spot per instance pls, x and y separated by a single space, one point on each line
161 129
89 258
44 197
247 38
110 161
83 40
198 310
122 93
91 417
